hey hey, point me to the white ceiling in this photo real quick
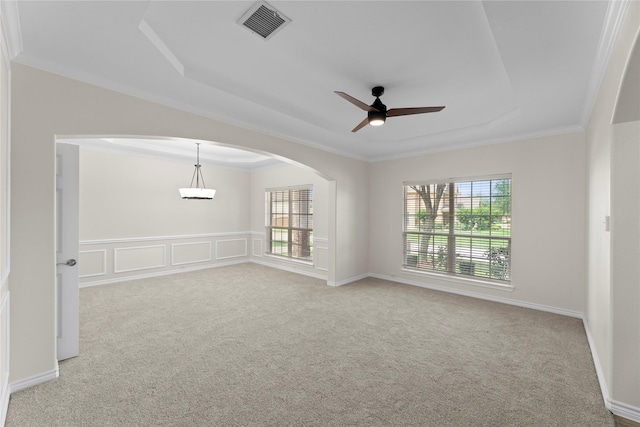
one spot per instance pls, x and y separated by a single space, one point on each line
504 69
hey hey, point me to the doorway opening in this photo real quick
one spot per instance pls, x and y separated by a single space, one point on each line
132 222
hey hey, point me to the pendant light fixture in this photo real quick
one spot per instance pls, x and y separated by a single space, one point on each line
197 192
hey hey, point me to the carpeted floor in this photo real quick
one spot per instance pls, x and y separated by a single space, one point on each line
247 345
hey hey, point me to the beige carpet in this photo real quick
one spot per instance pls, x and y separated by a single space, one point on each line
247 345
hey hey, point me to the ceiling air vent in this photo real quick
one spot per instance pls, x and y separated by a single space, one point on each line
263 20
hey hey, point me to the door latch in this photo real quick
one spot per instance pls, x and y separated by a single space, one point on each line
70 262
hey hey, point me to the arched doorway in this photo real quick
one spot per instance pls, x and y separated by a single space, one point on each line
133 224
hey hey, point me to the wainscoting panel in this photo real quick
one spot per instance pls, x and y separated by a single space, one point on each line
231 248
257 247
116 260
92 263
321 253
139 258
321 258
190 253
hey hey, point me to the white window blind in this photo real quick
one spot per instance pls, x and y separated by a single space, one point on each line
290 222
459 227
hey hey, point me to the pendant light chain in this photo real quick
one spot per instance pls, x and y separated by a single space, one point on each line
197 174
199 169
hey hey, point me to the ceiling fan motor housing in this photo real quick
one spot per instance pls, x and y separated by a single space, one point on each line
378 105
377 91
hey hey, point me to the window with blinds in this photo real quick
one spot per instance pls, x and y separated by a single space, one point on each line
459 227
290 222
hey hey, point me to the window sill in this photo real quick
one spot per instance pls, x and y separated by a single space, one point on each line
288 259
458 279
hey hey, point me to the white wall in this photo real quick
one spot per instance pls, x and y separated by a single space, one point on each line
134 224
285 176
625 268
134 196
5 145
548 222
598 303
612 314
44 106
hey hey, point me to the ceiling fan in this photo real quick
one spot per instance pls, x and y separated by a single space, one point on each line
377 112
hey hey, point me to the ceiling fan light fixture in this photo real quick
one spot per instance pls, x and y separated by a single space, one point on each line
377 118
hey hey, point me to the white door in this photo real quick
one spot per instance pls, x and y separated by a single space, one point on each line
67 207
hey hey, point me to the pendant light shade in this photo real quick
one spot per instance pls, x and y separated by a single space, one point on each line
197 192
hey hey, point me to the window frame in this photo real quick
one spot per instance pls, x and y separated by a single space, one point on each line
498 256
306 248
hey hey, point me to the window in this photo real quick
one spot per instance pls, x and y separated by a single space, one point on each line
461 227
290 222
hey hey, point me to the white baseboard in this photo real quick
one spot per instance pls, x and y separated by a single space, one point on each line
159 273
291 269
597 364
34 380
202 267
349 280
618 408
508 301
625 411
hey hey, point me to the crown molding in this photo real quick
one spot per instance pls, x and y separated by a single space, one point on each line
613 22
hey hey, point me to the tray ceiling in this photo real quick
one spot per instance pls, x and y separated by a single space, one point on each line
505 70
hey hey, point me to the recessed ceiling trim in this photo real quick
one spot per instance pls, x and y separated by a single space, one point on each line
263 20
157 42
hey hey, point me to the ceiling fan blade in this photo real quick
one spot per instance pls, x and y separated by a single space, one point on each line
354 101
361 125
408 111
